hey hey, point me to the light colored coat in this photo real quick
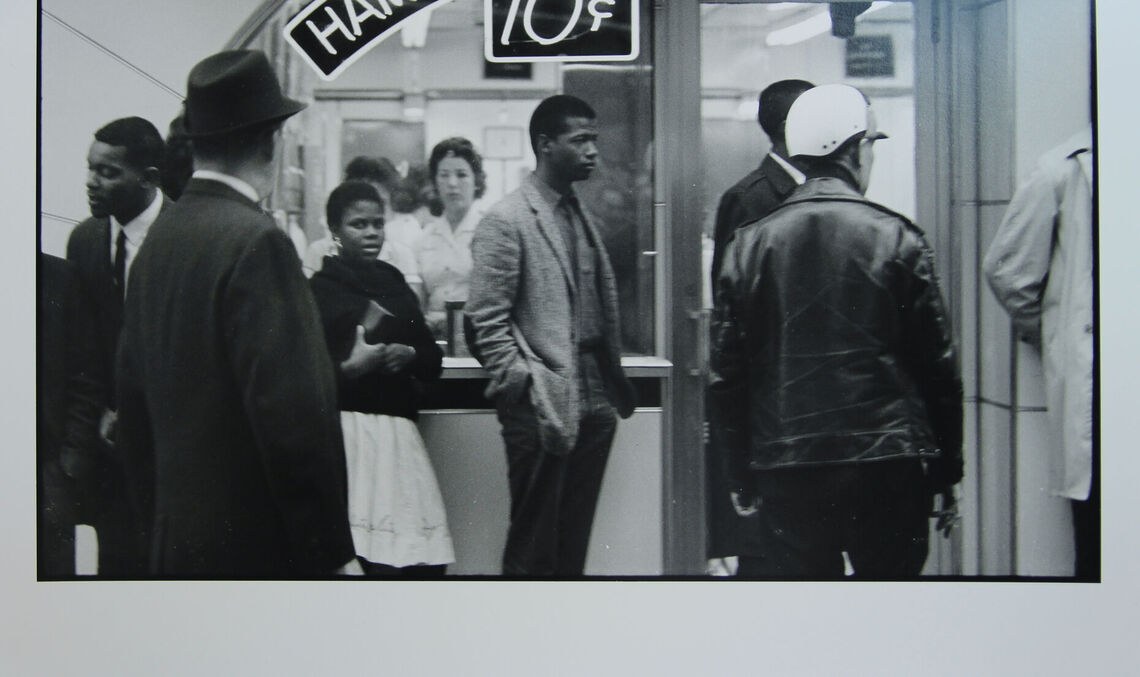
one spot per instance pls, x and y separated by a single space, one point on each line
1040 268
521 304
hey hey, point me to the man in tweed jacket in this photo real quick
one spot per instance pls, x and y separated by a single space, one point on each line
543 305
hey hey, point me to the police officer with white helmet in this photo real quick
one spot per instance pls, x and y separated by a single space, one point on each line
836 388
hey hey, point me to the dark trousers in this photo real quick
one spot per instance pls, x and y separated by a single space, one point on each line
724 525
122 550
875 512
55 528
1086 531
553 498
55 552
414 572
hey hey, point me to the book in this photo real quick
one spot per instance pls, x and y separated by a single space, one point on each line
376 321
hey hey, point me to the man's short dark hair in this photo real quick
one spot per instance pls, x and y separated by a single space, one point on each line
378 170
344 195
143 143
775 101
549 118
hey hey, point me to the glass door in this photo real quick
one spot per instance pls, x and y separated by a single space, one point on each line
745 46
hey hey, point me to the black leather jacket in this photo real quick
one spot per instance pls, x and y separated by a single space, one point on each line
830 342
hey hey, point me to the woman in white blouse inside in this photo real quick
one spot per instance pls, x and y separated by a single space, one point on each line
443 252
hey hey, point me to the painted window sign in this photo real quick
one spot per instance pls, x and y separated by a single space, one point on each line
561 30
332 34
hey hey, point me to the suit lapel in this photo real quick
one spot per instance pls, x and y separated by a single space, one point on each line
781 181
106 268
103 255
548 226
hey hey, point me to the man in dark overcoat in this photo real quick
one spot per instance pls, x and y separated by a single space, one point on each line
228 409
123 177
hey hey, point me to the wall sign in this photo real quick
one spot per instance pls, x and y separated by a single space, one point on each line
561 30
870 56
332 34
507 71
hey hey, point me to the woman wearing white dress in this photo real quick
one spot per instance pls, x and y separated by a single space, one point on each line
443 252
383 351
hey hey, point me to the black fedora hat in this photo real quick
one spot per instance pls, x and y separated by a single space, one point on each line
234 90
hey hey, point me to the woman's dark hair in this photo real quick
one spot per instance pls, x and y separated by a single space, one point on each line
421 183
344 195
461 148
378 170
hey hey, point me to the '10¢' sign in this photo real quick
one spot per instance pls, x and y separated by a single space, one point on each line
561 30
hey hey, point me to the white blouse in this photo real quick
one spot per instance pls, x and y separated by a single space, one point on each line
443 257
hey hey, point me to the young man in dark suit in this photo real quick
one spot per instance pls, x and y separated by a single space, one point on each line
227 395
764 188
750 199
124 197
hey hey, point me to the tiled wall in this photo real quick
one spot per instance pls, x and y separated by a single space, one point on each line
1001 116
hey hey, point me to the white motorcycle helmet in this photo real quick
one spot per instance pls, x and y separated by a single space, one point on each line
824 118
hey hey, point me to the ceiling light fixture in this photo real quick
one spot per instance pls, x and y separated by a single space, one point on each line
816 24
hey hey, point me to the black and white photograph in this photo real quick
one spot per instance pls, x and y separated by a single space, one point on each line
758 320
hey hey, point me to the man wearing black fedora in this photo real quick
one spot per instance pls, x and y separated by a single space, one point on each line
228 415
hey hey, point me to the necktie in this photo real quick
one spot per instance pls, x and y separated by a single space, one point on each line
569 205
121 262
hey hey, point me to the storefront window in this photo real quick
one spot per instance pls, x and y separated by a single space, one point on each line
414 89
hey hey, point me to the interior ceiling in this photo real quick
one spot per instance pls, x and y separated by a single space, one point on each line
458 14
763 16
770 16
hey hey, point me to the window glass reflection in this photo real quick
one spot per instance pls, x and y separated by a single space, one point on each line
415 89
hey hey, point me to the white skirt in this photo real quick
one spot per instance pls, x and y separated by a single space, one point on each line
395 510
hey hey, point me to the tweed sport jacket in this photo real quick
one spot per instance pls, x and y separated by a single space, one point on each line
522 295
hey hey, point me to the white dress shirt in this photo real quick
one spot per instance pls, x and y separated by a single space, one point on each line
796 174
231 181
